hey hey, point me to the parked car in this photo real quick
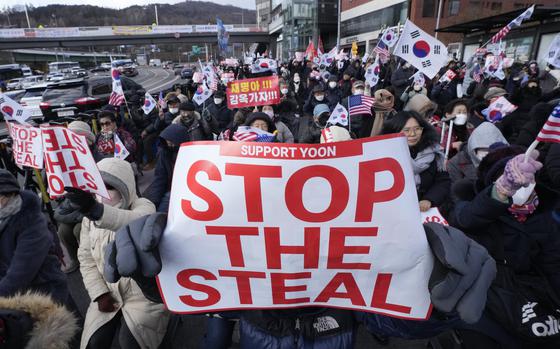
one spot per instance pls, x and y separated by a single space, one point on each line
54 77
68 97
33 80
129 70
78 72
187 73
177 68
14 84
32 99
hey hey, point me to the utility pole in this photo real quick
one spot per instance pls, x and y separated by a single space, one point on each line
440 5
338 26
27 17
157 20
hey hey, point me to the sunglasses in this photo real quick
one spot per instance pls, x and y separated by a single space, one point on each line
108 123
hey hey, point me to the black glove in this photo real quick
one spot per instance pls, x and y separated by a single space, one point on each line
67 213
85 203
463 272
134 253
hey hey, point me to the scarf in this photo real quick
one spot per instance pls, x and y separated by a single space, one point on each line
105 143
12 207
424 158
384 102
522 212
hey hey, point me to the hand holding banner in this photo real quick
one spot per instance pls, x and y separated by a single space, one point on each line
27 146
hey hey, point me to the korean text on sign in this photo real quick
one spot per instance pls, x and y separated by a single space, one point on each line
253 92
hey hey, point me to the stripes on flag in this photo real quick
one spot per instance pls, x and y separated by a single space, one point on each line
360 104
551 129
500 35
116 99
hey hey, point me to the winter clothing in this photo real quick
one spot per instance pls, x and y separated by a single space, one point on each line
494 92
83 129
28 259
8 183
105 145
383 108
198 128
221 113
400 79
422 105
518 173
146 320
284 134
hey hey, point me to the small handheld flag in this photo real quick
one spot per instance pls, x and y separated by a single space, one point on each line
339 116
252 134
149 103
360 104
120 150
499 109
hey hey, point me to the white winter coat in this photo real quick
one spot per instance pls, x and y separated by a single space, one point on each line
146 320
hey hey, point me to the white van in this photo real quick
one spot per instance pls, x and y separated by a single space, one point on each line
155 62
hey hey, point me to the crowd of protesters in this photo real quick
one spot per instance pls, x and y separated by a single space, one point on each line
479 180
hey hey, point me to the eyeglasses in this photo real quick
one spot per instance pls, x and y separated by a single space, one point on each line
108 123
412 130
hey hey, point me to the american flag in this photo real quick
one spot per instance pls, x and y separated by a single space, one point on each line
252 134
551 129
360 104
515 23
117 95
382 51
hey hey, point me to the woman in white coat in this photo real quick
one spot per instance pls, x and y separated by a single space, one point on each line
142 322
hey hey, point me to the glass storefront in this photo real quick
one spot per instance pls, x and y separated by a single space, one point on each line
375 20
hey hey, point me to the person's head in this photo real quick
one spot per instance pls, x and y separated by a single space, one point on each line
9 187
186 110
533 68
533 87
494 93
421 104
173 105
219 97
284 88
358 87
318 93
107 121
118 177
406 65
458 110
268 110
333 81
321 114
260 120
419 133
480 140
82 129
297 78
172 136
335 134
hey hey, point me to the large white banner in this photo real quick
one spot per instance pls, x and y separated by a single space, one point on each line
264 225
27 147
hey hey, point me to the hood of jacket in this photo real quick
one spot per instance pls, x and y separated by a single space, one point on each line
483 136
53 325
175 133
119 174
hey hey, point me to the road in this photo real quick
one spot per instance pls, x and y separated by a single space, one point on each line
156 79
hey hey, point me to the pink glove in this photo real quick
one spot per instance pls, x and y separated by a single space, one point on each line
518 173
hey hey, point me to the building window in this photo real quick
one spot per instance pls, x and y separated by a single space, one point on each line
429 8
373 21
454 6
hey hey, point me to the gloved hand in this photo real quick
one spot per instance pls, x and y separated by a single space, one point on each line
518 173
66 213
463 272
134 253
106 303
85 203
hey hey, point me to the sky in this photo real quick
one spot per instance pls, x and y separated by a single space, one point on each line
249 4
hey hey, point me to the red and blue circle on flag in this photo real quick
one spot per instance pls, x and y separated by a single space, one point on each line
8 110
117 148
115 74
495 115
421 49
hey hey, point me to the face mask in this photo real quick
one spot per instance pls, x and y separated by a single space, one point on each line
284 91
320 98
173 110
218 101
358 92
481 154
115 198
460 119
332 84
417 88
406 65
522 195
270 113
297 79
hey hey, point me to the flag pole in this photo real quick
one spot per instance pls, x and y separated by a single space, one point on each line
448 145
532 147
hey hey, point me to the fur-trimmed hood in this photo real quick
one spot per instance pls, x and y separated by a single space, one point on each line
53 325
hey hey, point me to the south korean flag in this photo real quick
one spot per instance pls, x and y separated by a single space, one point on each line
422 50
372 73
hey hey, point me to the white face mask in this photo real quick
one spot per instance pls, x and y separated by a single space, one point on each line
522 195
320 97
460 119
218 100
358 92
481 154
417 88
115 198
284 91
332 84
173 110
270 113
296 79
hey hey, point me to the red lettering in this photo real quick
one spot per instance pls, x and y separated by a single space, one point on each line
68 144
76 166
59 161
78 142
339 198
352 290
337 247
90 181
380 291
184 279
243 279
233 241
215 207
279 288
309 250
367 196
56 185
252 175
49 140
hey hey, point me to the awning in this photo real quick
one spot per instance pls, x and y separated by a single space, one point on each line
498 21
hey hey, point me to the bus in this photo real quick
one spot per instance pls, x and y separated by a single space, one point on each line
62 67
10 71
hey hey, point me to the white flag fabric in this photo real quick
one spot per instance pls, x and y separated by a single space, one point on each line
494 67
372 73
419 79
525 15
329 57
553 57
120 150
422 50
202 94
338 116
12 110
390 37
262 65
149 103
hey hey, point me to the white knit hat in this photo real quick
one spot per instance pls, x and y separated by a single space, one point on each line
335 134
83 129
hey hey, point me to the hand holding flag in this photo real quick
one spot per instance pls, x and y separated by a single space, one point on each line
339 115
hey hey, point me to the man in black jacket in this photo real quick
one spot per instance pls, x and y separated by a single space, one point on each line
217 107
